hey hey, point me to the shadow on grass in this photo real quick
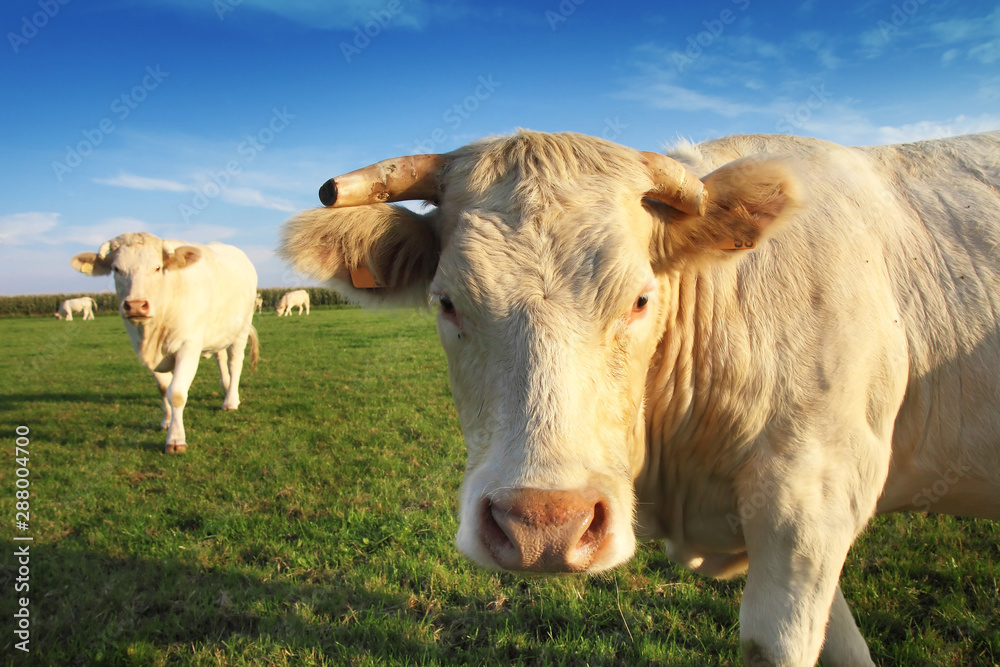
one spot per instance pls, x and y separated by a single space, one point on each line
89 608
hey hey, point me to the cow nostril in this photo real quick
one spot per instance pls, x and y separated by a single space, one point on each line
494 536
595 532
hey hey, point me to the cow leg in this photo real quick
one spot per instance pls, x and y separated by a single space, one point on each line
787 599
236 353
185 367
796 544
844 644
307 309
223 360
163 381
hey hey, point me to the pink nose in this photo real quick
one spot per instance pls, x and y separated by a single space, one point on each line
135 307
544 531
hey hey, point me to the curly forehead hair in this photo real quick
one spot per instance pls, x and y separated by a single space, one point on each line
127 239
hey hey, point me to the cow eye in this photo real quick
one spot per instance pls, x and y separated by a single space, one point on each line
447 307
640 303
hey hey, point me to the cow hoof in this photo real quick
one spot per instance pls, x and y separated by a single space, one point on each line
175 448
230 408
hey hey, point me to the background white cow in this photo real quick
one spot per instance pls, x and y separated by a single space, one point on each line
747 351
259 303
84 305
180 301
295 299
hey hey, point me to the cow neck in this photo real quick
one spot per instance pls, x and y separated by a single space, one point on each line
154 338
697 387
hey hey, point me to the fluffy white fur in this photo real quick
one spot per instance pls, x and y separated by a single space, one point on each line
762 404
199 299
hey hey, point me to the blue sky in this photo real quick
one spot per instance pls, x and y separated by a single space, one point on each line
217 119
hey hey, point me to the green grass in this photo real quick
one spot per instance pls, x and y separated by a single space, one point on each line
316 525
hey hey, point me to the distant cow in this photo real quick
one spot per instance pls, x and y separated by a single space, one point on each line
84 305
748 349
258 302
295 299
180 301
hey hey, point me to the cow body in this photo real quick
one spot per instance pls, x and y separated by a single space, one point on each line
181 301
751 382
84 305
295 299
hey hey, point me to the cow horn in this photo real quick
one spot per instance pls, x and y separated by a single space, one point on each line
397 179
674 185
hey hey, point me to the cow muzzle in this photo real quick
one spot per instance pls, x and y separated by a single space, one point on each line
544 531
137 310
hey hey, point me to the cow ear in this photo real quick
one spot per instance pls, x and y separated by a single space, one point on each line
91 264
396 245
181 257
748 199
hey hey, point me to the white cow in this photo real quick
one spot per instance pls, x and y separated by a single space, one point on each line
258 303
295 299
180 301
748 350
84 305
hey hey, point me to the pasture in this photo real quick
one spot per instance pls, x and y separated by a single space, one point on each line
314 526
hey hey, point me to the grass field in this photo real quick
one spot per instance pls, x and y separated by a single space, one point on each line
315 525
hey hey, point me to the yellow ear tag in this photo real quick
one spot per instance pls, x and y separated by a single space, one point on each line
362 278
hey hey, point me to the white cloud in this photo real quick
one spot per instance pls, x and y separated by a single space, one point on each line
412 14
46 270
252 197
670 96
143 183
96 234
986 53
931 129
23 228
204 183
956 31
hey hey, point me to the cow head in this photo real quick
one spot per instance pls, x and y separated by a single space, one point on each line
552 261
138 262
